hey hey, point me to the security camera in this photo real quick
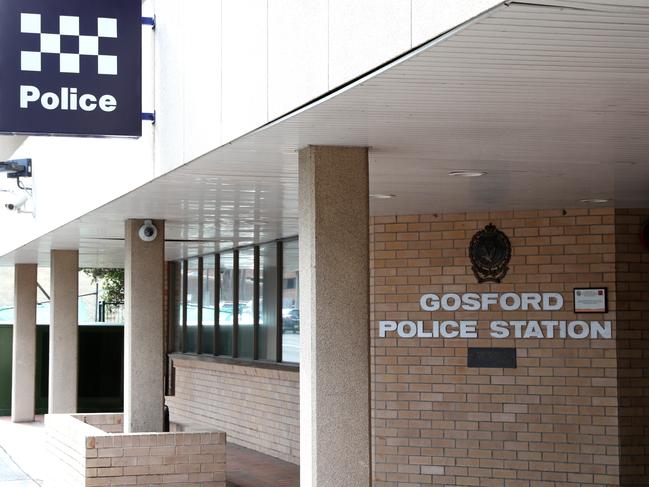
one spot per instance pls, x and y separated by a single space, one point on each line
148 232
19 201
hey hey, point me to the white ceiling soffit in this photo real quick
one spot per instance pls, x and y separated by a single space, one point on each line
551 102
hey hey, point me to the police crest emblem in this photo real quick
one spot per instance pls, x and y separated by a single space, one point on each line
490 252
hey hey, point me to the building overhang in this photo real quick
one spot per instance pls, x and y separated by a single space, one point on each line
549 99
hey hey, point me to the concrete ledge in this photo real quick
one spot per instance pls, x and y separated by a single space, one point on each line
84 454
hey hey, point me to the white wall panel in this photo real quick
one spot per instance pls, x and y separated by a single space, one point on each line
201 76
297 53
170 92
364 34
245 66
433 17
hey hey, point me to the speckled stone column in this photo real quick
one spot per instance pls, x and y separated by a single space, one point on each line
144 268
64 332
334 311
23 364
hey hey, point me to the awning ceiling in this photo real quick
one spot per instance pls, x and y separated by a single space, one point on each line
550 100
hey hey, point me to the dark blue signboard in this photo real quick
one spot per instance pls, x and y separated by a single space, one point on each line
71 67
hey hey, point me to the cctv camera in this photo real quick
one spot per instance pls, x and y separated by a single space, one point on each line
19 201
148 232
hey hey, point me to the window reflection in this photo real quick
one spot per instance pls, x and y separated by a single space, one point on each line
238 298
290 303
226 303
246 302
268 302
192 307
209 295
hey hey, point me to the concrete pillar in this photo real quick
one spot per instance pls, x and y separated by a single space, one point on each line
334 312
64 332
144 269
23 366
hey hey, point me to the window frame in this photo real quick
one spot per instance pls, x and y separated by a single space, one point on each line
182 265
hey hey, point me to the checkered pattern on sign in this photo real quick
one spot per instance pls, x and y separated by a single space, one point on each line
69 62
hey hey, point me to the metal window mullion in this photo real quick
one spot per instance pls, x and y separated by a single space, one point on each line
280 290
217 301
235 304
199 315
184 296
255 306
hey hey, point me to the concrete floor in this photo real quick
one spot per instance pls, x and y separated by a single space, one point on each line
22 451
11 475
23 460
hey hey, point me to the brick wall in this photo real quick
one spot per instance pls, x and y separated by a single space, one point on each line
86 456
108 423
550 422
632 270
257 407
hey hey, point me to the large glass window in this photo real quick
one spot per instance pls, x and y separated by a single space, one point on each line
247 306
290 303
268 302
243 303
209 300
192 308
226 303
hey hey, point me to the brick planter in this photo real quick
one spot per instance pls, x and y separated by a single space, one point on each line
91 450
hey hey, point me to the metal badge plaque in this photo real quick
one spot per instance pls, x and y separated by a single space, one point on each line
490 252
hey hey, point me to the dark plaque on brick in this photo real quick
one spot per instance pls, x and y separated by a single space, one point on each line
502 358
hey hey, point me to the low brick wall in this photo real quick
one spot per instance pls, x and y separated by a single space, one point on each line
258 407
84 455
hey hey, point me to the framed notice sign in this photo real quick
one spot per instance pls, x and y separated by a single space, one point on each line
591 300
71 67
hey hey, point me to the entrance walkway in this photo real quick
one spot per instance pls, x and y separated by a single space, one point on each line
22 454
11 475
247 468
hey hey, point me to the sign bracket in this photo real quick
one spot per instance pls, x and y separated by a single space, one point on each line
149 21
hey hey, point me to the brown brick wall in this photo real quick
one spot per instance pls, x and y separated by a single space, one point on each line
632 270
257 407
552 421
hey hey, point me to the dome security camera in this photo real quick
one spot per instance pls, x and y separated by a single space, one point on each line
148 232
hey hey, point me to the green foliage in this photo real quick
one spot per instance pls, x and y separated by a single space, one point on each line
111 282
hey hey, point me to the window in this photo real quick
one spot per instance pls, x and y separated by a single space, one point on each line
192 309
247 307
226 303
290 303
242 303
268 302
209 300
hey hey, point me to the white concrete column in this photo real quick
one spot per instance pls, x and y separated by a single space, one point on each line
144 269
64 332
23 365
334 315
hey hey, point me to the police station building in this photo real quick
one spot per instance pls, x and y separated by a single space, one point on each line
397 243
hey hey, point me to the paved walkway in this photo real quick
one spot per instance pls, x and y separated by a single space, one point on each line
22 451
11 475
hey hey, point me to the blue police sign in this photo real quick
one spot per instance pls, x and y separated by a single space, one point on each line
71 67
